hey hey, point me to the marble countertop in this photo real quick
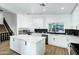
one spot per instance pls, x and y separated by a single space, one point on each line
71 38
29 38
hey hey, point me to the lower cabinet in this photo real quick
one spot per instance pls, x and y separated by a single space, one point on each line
22 46
58 40
61 41
26 48
51 39
40 48
14 44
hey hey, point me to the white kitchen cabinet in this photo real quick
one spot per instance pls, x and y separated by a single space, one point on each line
22 47
58 40
14 44
61 41
51 39
41 47
26 48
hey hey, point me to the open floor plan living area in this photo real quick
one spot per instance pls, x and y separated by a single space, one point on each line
39 29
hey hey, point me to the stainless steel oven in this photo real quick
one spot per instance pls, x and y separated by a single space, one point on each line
72 52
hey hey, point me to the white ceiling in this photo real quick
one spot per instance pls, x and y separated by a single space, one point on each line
35 8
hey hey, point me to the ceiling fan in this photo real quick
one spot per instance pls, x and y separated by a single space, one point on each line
42 4
1 10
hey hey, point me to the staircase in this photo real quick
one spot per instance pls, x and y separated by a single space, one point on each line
2 28
5 31
7 26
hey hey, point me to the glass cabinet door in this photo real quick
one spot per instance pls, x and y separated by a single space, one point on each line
52 27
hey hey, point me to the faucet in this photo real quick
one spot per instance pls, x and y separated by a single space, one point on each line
77 27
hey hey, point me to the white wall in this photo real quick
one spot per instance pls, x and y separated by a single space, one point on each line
75 18
42 21
1 17
23 21
37 21
65 19
11 20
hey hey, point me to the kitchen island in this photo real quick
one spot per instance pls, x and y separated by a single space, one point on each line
27 44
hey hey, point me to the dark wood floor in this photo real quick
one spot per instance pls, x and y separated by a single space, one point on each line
50 50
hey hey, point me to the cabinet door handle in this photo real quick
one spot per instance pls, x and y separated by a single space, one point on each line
25 43
53 38
69 45
13 39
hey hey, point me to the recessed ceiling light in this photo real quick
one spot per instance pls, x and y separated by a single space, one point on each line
44 9
62 8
